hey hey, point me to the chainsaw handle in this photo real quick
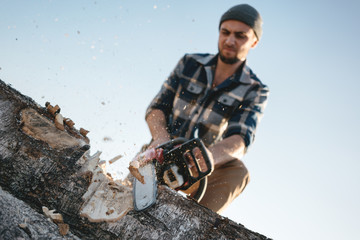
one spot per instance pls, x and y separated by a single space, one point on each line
167 146
180 152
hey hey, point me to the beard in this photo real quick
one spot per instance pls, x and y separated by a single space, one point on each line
228 60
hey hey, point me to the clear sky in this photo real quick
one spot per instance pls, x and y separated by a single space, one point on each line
103 61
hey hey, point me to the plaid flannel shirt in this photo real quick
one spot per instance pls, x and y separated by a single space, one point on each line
194 109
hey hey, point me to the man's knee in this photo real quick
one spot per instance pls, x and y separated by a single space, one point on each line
238 177
225 184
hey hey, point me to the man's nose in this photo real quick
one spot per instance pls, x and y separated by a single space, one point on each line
230 40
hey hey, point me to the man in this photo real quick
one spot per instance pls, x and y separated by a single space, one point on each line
218 99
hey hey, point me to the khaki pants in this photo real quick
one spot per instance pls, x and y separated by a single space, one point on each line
224 185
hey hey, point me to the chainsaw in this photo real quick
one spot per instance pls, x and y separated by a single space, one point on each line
179 164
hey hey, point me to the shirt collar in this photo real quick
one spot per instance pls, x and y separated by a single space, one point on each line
241 75
207 60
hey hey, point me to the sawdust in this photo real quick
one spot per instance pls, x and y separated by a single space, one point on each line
105 199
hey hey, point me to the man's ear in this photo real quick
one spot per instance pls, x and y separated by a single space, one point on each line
255 43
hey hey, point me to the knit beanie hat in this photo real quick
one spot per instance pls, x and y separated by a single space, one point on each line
246 14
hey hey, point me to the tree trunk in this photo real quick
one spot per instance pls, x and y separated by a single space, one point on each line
47 166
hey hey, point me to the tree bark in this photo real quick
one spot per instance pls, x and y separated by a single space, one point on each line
19 221
42 165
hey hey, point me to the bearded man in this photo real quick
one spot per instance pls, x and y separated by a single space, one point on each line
218 99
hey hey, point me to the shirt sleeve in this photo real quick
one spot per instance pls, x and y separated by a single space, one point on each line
165 97
247 116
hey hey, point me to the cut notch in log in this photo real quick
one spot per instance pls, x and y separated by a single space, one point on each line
39 127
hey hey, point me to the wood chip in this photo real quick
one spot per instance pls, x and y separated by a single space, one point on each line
53 110
59 122
69 122
135 172
63 228
115 159
83 132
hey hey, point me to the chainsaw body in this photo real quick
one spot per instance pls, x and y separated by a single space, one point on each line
184 163
180 164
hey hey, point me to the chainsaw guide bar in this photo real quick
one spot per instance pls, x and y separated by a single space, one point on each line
145 194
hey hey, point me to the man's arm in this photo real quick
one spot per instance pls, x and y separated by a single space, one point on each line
222 152
242 126
161 107
228 149
158 127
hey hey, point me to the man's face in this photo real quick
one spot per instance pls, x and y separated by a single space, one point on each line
235 40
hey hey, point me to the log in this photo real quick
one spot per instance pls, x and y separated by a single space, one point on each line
20 221
47 167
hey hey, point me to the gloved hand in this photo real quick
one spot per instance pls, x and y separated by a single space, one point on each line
142 159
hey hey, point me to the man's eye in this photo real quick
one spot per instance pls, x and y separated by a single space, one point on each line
240 36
